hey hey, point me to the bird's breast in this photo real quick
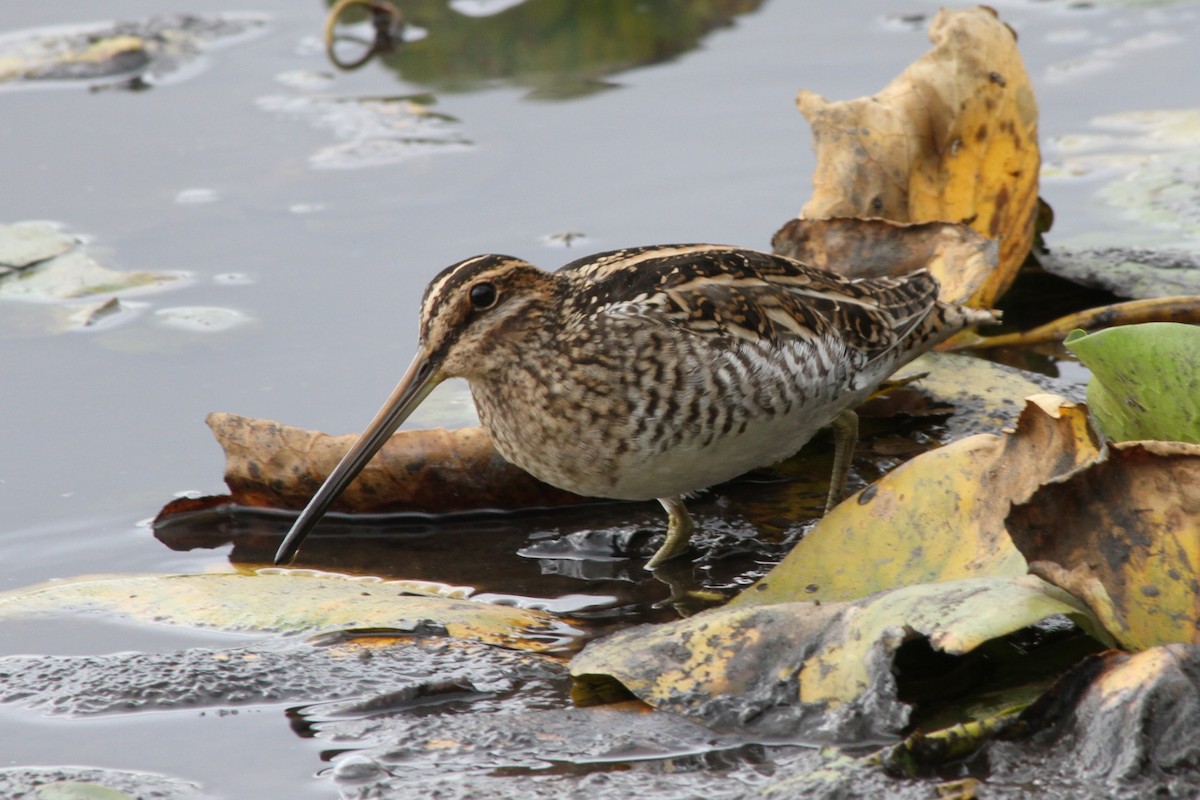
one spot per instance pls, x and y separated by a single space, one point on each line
659 418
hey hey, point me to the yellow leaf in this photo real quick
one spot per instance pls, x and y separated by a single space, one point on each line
287 601
827 655
953 138
938 517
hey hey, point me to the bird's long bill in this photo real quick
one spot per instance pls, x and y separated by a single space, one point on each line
416 384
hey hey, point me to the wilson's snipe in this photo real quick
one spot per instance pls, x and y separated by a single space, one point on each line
653 372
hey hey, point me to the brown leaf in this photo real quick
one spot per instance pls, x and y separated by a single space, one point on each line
960 257
1124 536
434 471
953 138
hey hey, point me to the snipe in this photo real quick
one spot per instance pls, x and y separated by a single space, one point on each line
653 372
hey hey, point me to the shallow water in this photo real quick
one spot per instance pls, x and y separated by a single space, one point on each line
212 174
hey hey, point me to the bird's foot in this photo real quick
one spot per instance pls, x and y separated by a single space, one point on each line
679 529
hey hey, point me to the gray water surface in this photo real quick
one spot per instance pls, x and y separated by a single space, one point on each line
213 171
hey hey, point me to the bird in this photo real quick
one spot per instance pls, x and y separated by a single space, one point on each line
651 373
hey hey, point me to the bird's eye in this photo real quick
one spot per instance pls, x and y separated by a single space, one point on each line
483 295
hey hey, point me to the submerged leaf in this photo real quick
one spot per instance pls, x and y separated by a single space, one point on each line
1124 536
938 517
1116 265
953 138
372 673
58 783
1145 380
286 601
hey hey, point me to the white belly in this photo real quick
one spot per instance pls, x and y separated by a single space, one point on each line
690 467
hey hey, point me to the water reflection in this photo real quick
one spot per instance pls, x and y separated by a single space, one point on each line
558 49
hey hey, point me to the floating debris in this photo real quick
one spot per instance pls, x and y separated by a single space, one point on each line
61 284
565 239
203 319
133 55
373 131
28 243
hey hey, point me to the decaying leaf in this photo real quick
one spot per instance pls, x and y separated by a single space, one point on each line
812 666
1117 718
287 601
1142 714
961 258
938 517
986 397
1145 380
1124 536
435 471
953 138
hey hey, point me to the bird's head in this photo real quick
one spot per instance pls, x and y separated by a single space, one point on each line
465 312
473 307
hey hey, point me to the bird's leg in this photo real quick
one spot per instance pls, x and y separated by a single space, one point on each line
679 528
845 435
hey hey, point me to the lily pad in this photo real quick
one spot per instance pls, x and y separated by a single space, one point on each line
1126 269
431 471
987 397
202 319
287 601
1145 380
373 131
961 258
1119 724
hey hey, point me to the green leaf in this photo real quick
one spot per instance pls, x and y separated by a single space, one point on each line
1145 380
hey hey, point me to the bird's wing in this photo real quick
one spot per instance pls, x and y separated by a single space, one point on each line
726 292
